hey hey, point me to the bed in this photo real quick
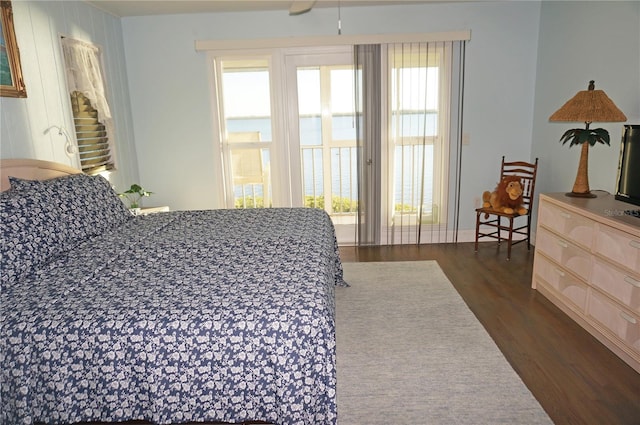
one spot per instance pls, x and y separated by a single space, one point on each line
186 316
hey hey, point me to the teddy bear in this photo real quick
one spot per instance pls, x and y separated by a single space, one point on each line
507 197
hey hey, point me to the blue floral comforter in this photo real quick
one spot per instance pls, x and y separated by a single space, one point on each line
221 315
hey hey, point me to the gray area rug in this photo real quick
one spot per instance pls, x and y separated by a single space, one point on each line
409 351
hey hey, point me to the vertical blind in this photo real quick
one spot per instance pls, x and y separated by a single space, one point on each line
368 84
409 103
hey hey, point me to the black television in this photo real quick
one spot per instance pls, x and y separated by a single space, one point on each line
628 183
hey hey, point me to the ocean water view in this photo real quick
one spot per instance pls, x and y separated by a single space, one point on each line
407 168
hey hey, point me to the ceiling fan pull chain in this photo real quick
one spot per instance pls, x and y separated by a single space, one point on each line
339 20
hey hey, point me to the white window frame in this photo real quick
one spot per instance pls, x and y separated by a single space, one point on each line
294 58
287 173
279 144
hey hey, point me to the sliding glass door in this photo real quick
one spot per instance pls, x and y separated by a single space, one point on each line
291 125
323 131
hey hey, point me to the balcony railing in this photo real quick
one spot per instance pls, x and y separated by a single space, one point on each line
412 187
330 183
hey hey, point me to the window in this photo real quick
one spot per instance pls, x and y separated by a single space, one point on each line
418 133
404 124
327 137
91 113
244 93
288 130
91 134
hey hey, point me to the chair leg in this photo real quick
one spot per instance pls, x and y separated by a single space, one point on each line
529 233
477 230
509 241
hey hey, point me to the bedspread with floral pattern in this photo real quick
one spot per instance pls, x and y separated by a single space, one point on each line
221 315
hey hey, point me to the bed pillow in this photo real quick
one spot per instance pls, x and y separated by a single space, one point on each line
87 205
30 231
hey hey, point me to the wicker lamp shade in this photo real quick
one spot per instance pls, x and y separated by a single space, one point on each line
589 106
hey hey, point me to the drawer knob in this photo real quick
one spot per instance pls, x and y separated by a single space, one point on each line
562 243
632 281
559 272
628 318
565 214
635 244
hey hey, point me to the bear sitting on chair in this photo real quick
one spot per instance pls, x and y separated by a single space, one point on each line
507 197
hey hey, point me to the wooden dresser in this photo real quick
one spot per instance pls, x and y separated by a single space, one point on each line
587 262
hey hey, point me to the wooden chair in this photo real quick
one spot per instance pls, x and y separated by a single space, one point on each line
499 225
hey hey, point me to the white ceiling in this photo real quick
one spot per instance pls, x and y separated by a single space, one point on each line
124 8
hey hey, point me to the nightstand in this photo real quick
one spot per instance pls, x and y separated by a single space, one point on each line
153 210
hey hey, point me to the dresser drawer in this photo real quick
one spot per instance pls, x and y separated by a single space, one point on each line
624 325
565 253
564 283
621 285
574 227
618 246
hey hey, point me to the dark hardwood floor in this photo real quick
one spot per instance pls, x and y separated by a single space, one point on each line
576 379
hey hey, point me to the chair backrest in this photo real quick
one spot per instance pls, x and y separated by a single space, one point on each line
527 172
246 166
246 163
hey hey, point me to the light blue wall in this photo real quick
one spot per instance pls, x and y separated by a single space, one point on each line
172 105
524 60
39 25
582 41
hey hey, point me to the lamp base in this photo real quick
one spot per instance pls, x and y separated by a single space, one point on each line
581 195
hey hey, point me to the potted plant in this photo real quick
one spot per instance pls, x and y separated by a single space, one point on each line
133 195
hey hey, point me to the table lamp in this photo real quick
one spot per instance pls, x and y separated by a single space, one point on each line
587 106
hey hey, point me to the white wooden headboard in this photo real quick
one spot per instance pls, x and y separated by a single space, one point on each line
32 169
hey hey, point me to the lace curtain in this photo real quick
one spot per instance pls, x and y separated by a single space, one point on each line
84 74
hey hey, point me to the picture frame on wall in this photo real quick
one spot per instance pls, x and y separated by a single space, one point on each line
11 81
